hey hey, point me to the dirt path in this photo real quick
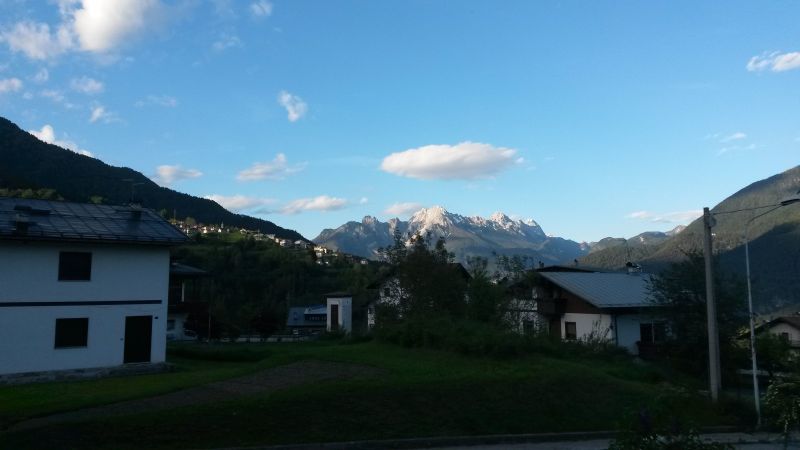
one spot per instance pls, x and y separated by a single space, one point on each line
265 381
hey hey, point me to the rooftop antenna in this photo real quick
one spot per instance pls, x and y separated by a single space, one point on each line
133 189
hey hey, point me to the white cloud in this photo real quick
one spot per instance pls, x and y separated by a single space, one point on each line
10 85
321 203
296 108
86 85
226 41
166 175
363 201
36 41
99 112
732 148
466 160
48 134
277 169
102 25
238 203
41 76
403 209
261 8
96 26
681 217
157 100
737 136
775 62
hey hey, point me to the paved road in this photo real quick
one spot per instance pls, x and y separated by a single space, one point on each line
744 441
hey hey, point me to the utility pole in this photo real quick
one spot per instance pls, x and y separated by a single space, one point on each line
711 309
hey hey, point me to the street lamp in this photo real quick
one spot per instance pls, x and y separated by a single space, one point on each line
756 394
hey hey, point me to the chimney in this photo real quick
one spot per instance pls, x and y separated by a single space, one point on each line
136 210
21 224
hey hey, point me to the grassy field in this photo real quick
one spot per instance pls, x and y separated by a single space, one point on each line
419 393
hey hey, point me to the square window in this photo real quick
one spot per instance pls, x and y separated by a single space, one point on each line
570 331
74 266
72 332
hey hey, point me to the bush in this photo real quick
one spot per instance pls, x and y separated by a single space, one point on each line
469 337
663 426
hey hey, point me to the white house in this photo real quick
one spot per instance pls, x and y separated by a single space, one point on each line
82 285
787 327
584 305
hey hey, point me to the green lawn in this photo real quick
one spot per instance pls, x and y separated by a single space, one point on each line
420 393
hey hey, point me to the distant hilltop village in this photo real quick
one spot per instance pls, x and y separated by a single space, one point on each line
323 255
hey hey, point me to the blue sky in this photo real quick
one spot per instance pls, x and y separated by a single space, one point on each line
593 118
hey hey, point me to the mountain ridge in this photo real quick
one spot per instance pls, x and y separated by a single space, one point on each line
28 163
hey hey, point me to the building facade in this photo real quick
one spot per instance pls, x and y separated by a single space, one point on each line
82 286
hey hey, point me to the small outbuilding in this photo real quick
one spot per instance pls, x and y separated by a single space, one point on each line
339 311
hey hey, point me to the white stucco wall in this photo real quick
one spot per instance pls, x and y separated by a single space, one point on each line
585 324
119 273
794 333
345 313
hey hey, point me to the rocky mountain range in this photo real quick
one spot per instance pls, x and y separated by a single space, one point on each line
465 236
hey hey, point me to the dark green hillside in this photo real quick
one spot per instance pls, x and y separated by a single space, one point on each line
774 249
27 162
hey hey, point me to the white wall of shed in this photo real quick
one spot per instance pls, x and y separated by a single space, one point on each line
345 313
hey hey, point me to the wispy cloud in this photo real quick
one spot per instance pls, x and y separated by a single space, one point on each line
681 217
157 100
239 203
466 160
166 174
86 85
36 41
277 169
774 61
99 113
296 108
261 8
41 76
733 148
737 136
402 209
48 134
320 203
226 41
10 85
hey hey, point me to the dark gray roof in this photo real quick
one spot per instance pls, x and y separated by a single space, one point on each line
186 271
297 316
605 290
28 219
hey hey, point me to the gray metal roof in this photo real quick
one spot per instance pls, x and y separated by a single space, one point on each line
28 219
297 316
603 289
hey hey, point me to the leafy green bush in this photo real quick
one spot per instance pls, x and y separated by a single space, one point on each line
663 426
470 337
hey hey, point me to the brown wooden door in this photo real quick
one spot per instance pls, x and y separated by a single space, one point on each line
334 317
138 338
